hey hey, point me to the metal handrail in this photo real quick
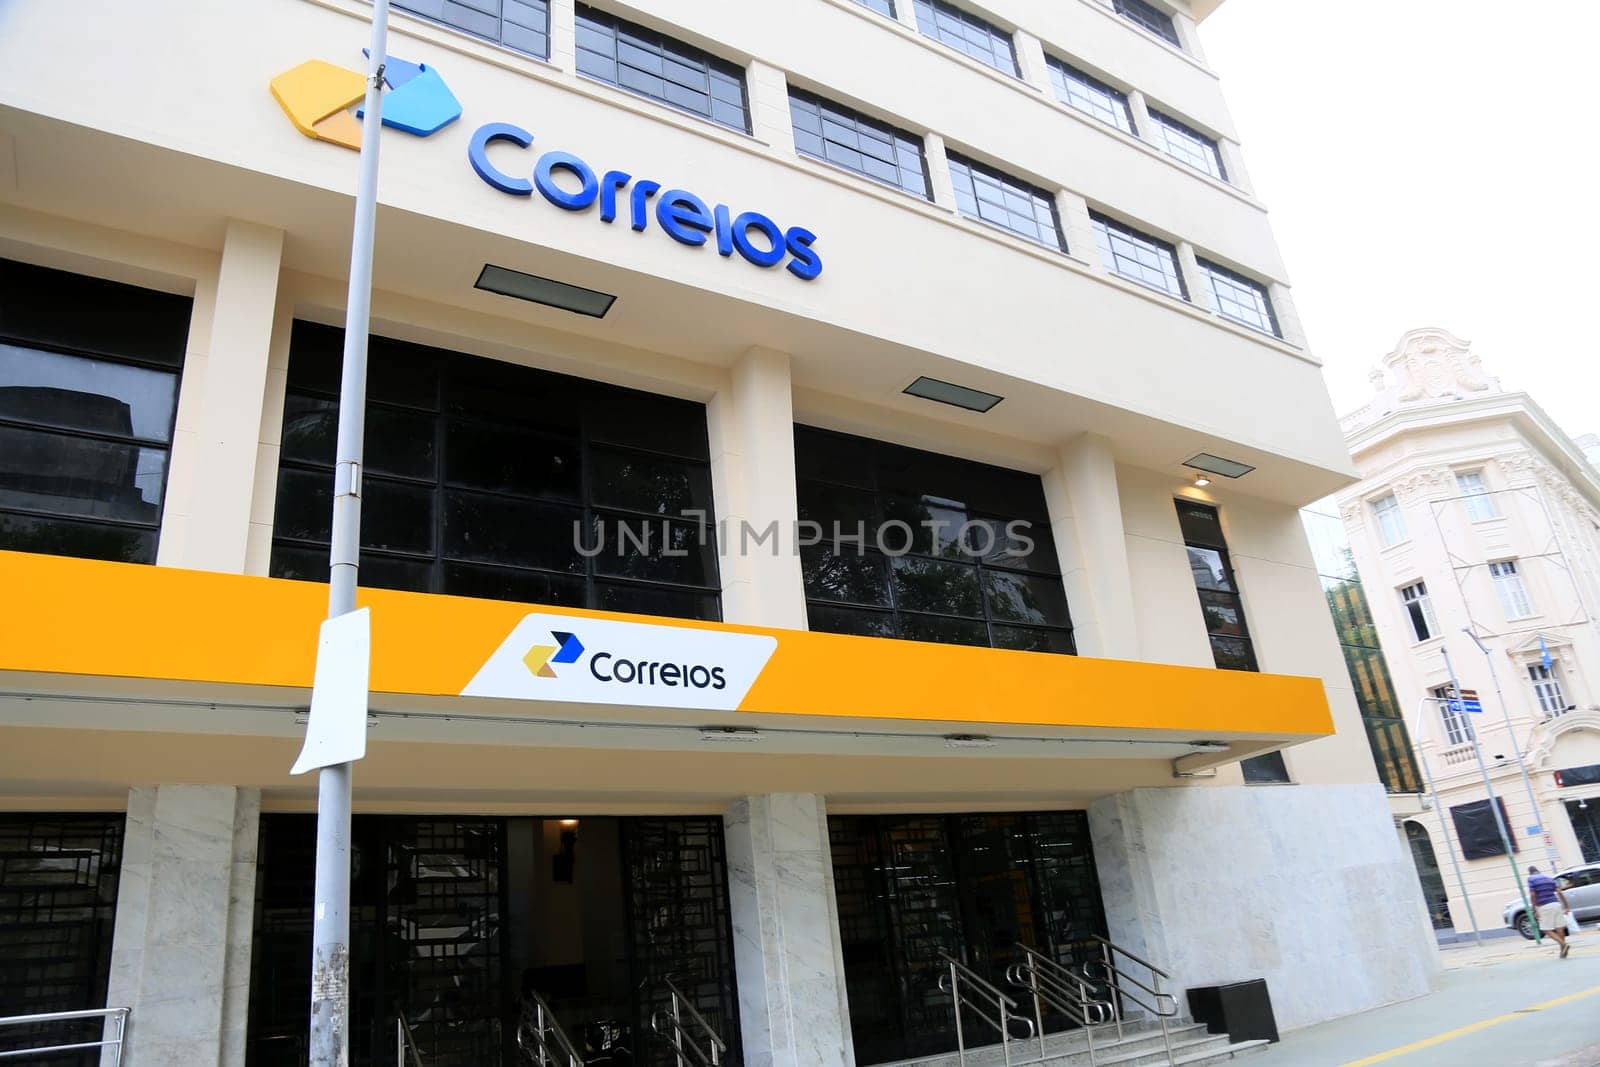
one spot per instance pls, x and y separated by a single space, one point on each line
1005 1008
1052 984
405 1039
545 1027
1118 980
683 1042
118 1016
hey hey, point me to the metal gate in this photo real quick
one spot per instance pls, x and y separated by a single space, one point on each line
58 903
910 887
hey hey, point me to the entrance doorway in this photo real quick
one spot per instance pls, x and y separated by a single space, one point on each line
974 886
1427 865
1585 819
456 919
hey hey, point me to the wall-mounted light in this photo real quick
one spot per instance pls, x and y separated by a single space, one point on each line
955 395
968 741
729 733
546 291
1201 481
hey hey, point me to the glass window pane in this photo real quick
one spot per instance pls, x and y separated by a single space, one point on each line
1007 202
649 483
524 533
1223 614
661 68
1233 654
861 578
1149 17
653 549
1206 566
943 630
653 600
826 618
941 588
86 540
41 470
1026 598
484 456
1029 640
506 583
93 395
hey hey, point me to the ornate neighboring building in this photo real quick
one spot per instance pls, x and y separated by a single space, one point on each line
1476 513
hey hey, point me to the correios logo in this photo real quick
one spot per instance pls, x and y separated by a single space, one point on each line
318 98
321 99
624 663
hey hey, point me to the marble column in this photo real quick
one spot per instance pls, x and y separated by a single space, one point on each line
786 946
180 954
1305 886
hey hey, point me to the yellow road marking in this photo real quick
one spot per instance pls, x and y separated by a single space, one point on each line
1471 1028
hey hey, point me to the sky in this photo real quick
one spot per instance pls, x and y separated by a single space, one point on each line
1429 163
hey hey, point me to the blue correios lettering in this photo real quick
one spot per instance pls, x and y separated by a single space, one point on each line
684 216
724 231
610 185
642 192
767 257
806 264
544 179
478 156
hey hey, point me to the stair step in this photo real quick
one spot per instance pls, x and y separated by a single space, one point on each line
1184 1050
1231 1052
1140 1045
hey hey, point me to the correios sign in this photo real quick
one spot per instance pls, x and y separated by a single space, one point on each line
320 99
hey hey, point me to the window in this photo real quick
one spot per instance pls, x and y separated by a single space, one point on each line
485 479
882 7
1391 524
1188 145
926 547
523 25
1419 606
671 72
1480 505
1239 299
1007 202
966 32
1149 17
1457 724
1547 687
1508 585
1090 95
1138 257
88 392
845 138
1223 610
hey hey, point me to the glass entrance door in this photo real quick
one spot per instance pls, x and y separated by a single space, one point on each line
1586 825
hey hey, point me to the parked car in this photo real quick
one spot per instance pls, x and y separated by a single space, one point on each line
1583 896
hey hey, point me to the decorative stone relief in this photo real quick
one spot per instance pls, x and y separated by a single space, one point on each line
1432 364
1428 483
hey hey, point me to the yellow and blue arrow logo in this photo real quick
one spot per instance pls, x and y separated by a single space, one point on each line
566 650
318 96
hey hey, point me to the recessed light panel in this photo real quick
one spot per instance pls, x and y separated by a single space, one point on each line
547 291
1228 468
956 395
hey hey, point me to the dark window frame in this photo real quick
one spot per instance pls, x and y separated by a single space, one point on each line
1202 144
1150 18
1105 226
892 611
1009 183
1212 272
926 10
584 506
828 110
29 341
645 39
1062 72
882 7
411 7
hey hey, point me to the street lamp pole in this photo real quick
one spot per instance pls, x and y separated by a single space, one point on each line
1494 806
330 928
1516 748
1444 825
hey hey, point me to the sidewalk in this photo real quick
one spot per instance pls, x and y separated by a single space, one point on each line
1505 1003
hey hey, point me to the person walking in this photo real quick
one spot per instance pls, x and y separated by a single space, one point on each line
1550 907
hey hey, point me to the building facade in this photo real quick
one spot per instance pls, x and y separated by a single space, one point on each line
1476 527
781 530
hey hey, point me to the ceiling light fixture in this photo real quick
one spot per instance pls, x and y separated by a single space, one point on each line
1201 481
968 741
729 733
1228 468
955 395
546 291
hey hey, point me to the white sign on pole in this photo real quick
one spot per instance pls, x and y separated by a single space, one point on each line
337 730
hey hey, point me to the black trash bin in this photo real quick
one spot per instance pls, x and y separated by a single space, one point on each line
1242 1010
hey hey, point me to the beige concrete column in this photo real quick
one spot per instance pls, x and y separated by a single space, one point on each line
564 35
1074 212
1030 60
1143 125
1086 521
1193 280
770 120
944 194
1188 34
180 954
751 424
1233 164
1288 318
906 12
233 394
